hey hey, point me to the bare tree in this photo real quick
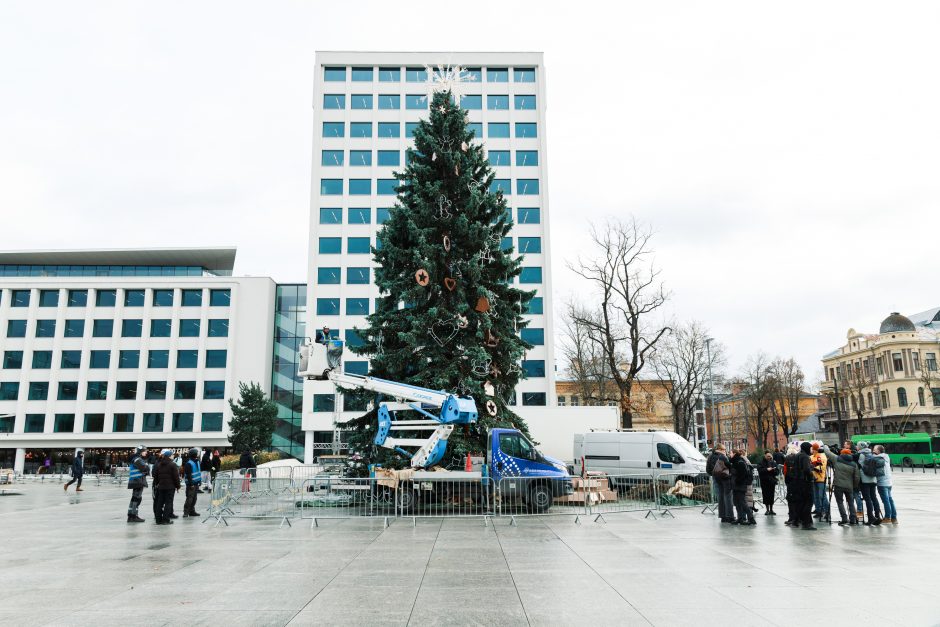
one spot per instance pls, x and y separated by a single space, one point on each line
583 353
625 280
681 357
788 383
758 395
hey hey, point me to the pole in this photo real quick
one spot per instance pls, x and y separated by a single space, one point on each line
835 401
716 428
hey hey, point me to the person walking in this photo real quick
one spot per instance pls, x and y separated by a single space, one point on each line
247 465
869 483
741 478
819 463
718 467
205 466
137 481
193 475
803 482
78 469
166 482
845 480
767 471
884 484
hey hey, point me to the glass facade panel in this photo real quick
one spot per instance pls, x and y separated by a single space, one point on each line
497 130
416 101
389 74
532 335
334 101
96 391
220 298
416 75
357 276
410 128
527 187
361 101
356 367
20 298
360 129
497 102
42 360
389 158
218 327
123 423
497 75
212 421
331 158
74 328
153 423
134 298
533 398
184 390
38 391
78 298
476 128
132 328
163 298
129 359
286 385
381 215
102 328
189 327
126 390
524 102
357 306
323 402
523 75
386 187
471 102
498 157
389 101
12 360
332 215
501 185
71 359
533 368
327 306
360 158
48 298
526 129
361 215
362 74
216 358
9 390
334 74
527 157
188 358
105 298
213 390
328 276
64 423
158 358
531 274
155 390
334 129
192 298
360 187
160 327
183 421
389 129
331 187
530 245
358 245
16 328
35 423
100 359
68 391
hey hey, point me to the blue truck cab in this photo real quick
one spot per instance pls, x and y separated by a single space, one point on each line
522 472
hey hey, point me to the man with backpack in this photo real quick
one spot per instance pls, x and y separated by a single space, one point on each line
192 472
884 484
720 470
871 466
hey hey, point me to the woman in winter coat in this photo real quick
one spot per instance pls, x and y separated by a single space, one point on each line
767 470
741 480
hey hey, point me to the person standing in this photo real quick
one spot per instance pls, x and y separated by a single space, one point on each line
845 480
779 457
137 481
247 465
767 471
804 480
741 478
78 469
819 463
718 467
216 464
193 475
884 484
869 483
206 467
166 482
789 479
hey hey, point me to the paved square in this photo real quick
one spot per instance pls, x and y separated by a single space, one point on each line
72 560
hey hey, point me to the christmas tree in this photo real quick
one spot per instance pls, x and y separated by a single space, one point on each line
448 317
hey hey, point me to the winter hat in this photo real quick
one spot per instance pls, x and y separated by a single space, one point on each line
806 447
167 452
140 448
845 451
862 445
815 446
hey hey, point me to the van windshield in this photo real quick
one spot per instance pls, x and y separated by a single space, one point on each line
687 450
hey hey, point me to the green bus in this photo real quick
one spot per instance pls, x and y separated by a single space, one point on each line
906 450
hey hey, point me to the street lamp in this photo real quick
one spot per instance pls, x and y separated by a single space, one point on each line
716 432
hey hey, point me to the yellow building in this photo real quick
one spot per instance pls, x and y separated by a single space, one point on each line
650 400
735 412
888 381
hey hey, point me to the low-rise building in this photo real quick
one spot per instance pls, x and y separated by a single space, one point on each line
650 400
738 416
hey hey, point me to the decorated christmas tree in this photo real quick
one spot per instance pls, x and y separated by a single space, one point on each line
448 317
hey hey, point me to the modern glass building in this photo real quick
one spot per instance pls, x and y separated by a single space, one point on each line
366 106
287 388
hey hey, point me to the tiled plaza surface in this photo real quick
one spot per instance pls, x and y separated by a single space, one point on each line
73 560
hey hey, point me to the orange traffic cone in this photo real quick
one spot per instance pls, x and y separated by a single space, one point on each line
469 465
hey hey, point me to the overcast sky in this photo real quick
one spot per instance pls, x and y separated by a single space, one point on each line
786 154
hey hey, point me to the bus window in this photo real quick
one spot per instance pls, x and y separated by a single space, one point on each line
935 444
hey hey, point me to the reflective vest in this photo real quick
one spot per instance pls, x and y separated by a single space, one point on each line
135 472
195 475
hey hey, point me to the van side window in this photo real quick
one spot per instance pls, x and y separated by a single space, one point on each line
515 445
668 454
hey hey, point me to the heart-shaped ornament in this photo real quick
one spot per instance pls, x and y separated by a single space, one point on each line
450 283
443 331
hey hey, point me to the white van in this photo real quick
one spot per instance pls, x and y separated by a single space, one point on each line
638 453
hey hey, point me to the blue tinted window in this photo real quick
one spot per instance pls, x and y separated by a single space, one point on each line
68 391
10 391
42 360
497 75
160 328
357 276
389 101
533 367
476 128
334 129
356 367
17 328
187 358
189 327
327 306
216 358
505 244
218 327
153 422
102 328
360 129
381 215
105 298
389 74
525 102
389 157
358 245
416 101
533 398
532 274
334 101
527 187
357 306
328 276
498 157
416 75
13 360
183 421
324 402
100 359
123 423
474 74
526 129
213 390
362 74
183 390
192 298
497 129
35 423
497 101
410 128
360 187
524 75
353 339
334 74
529 215
20 298
65 423
500 185
331 187
386 187
211 421
533 336
71 359
49 298
331 158
360 157
129 359
360 216
163 298
133 298
78 298
38 391
527 157
471 102
530 245
389 129
331 215
361 101
220 298
132 328
158 359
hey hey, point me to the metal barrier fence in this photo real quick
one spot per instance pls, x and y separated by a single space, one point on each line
327 496
237 494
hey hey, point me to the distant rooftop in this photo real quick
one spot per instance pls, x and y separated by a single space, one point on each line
118 261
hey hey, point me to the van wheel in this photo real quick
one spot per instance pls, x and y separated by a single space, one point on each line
907 462
540 498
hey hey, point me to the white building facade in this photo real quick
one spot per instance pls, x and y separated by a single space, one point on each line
103 350
366 105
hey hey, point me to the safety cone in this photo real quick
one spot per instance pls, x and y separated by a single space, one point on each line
469 465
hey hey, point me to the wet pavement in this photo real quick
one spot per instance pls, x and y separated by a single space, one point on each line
73 560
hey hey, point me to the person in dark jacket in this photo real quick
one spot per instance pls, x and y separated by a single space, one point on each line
216 464
741 477
78 469
846 478
803 481
779 457
206 467
193 475
721 482
767 470
137 481
247 465
166 481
